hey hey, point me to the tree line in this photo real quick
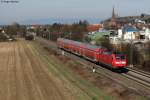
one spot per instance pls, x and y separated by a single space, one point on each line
78 31
75 31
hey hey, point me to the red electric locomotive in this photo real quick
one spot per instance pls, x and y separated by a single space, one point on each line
94 53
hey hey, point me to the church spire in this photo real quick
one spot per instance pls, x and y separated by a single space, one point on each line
113 13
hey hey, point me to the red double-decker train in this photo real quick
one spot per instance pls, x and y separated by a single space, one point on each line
94 53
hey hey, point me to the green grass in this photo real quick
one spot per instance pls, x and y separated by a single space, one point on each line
98 35
82 89
86 90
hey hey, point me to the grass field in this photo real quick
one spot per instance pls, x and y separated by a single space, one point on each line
81 82
29 72
80 88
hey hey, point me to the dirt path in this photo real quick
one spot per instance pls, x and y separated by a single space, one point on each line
24 77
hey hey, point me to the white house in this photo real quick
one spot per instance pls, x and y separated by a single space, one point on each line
120 34
147 33
142 35
139 21
129 33
126 33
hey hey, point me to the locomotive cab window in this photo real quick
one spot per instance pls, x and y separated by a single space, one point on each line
120 57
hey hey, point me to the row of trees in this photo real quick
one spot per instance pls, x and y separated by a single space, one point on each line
78 32
9 32
75 31
15 29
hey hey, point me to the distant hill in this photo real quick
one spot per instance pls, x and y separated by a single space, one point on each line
59 20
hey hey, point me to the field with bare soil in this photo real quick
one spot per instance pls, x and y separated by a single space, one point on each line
24 77
28 72
25 74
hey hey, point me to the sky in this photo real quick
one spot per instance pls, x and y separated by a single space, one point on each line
30 11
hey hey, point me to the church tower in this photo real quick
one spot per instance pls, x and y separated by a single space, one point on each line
113 13
113 22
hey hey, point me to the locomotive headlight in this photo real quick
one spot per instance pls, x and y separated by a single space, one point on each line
123 62
117 62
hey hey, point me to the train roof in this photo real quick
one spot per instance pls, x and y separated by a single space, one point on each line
111 52
89 46
77 43
92 46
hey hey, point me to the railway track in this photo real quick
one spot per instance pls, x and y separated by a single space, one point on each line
138 81
139 76
142 81
143 73
114 76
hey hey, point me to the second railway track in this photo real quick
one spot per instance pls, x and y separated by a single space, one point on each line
138 81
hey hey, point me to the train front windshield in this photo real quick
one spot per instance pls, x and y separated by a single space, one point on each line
120 60
120 57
